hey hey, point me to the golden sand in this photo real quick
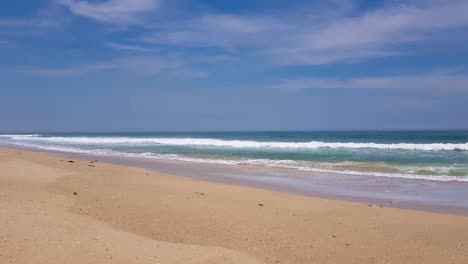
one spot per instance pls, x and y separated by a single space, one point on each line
56 211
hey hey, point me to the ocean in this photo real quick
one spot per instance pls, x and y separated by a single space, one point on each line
430 155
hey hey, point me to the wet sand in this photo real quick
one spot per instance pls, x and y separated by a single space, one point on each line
420 194
59 210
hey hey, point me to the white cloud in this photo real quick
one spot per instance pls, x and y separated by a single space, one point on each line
215 30
15 22
327 32
120 46
309 37
120 12
379 33
25 23
70 71
45 19
143 65
438 81
382 30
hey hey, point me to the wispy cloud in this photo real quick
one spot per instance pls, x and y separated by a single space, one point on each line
119 12
18 27
215 30
120 46
139 65
325 32
437 81
381 32
334 35
14 22
69 71
46 19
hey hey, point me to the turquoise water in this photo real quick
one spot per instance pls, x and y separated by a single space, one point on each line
436 155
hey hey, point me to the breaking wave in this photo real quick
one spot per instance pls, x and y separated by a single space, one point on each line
348 168
209 142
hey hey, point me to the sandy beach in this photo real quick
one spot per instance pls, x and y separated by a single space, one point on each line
54 209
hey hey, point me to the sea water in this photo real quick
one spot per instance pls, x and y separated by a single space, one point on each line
432 155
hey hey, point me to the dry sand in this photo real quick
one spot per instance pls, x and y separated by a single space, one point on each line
129 215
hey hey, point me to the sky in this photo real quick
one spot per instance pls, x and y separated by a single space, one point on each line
215 65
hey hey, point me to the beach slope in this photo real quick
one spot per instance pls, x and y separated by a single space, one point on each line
55 209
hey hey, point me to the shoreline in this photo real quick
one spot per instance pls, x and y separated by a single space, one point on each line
67 210
444 197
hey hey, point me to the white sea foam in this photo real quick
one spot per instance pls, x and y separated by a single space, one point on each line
209 142
18 136
280 164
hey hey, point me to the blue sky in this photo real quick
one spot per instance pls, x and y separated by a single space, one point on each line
161 65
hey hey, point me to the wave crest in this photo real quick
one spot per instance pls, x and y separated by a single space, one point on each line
209 142
347 168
